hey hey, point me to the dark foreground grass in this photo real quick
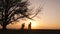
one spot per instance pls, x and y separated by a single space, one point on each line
35 31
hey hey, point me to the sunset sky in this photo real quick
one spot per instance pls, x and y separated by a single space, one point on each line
51 13
48 18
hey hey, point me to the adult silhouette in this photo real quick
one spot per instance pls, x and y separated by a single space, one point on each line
29 26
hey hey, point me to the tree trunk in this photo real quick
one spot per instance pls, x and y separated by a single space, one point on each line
4 26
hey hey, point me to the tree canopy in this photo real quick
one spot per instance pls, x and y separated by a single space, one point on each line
12 10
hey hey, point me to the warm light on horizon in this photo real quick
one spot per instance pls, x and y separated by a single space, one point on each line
34 24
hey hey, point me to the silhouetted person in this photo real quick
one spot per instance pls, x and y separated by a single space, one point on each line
29 26
23 26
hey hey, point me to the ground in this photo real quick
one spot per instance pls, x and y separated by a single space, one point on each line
41 31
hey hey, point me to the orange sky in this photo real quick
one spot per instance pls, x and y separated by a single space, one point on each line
49 18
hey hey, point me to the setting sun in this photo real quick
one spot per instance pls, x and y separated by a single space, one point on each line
34 24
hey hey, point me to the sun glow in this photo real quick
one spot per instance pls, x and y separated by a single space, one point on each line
34 24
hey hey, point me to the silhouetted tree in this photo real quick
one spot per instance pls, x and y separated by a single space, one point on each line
1 12
12 10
